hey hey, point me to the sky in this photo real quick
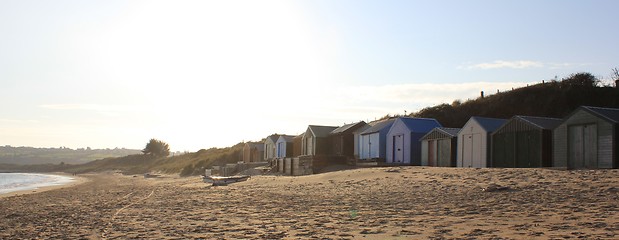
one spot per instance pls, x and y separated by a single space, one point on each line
202 74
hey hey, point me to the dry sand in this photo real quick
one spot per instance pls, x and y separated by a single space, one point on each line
373 203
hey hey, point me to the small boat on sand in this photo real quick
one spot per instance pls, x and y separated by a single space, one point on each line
222 181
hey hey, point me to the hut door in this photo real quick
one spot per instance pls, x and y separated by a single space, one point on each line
309 146
398 148
471 151
477 152
443 153
432 153
467 148
279 150
582 145
590 134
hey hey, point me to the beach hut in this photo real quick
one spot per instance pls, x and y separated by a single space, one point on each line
253 152
316 140
523 142
297 145
373 140
343 139
439 147
403 145
587 138
270 146
357 138
474 141
284 146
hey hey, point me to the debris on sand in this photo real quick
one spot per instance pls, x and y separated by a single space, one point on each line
493 187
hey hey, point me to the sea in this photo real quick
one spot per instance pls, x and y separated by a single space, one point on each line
11 182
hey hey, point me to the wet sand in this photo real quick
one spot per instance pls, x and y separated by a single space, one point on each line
374 203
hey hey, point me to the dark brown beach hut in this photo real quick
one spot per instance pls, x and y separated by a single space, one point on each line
523 142
316 140
253 152
343 139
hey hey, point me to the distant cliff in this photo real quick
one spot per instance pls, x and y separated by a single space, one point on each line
31 156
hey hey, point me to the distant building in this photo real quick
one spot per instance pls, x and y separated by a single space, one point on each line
253 152
284 146
270 147
587 138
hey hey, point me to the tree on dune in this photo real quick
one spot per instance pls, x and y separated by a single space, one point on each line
157 148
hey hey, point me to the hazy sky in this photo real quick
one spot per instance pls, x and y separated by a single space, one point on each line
200 74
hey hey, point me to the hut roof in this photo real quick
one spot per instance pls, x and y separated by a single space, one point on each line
541 122
489 124
453 132
379 126
286 138
610 114
255 145
441 131
347 127
273 137
420 124
321 131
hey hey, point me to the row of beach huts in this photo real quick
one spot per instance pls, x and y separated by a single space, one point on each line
586 138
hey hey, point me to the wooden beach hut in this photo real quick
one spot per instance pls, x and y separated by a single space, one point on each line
372 141
357 139
474 144
403 145
587 138
270 147
284 146
524 142
253 152
297 145
316 140
343 139
439 147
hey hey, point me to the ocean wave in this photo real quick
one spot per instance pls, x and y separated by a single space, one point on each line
11 182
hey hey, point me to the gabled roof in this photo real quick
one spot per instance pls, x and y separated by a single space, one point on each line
299 136
541 122
273 138
610 114
489 124
347 127
421 125
260 146
379 126
321 131
442 131
452 132
285 138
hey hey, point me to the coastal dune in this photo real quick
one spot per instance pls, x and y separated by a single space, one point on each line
371 203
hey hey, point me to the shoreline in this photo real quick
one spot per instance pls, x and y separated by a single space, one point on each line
76 180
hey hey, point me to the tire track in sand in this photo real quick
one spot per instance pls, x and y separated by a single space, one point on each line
108 228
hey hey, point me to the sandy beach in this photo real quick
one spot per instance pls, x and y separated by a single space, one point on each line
372 203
